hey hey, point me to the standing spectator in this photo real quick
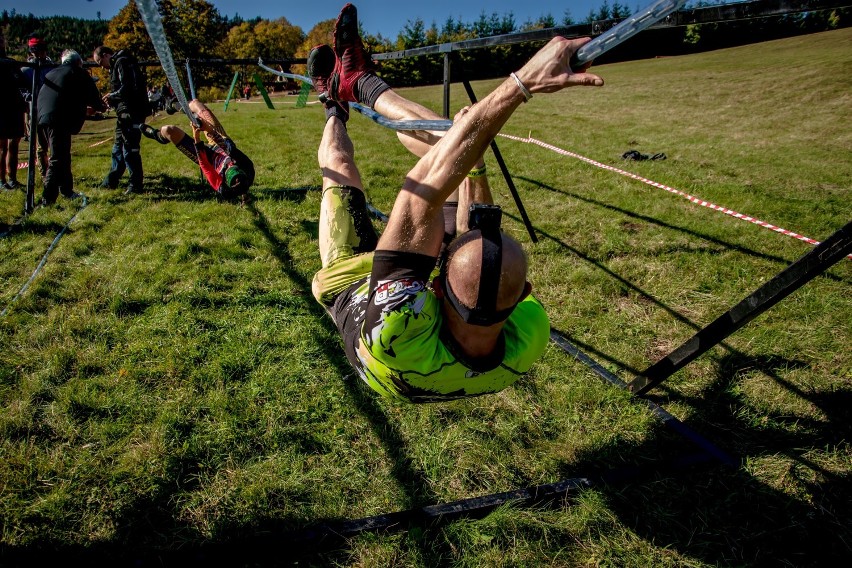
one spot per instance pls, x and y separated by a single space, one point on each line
38 54
155 99
247 92
62 101
168 98
12 109
129 97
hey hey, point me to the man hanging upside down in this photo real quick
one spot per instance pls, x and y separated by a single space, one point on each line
228 171
473 329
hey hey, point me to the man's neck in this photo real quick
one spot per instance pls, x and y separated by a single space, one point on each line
474 341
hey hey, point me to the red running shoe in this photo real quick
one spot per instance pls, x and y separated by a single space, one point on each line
321 64
352 60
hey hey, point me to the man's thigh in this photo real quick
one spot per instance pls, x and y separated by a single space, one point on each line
209 122
330 281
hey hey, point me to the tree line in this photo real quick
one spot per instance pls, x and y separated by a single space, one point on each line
196 30
75 33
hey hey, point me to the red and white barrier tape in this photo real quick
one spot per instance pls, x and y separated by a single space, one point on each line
99 143
691 198
25 165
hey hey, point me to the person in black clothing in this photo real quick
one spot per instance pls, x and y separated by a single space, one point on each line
62 102
129 97
12 108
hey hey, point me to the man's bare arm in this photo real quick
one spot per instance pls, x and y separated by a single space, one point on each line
416 223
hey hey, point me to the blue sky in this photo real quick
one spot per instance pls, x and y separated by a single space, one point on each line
385 17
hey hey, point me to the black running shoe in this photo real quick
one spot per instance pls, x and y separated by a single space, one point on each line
321 64
149 131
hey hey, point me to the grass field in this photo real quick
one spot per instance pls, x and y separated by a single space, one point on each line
169 382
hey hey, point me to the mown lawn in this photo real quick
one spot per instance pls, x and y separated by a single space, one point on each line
168 381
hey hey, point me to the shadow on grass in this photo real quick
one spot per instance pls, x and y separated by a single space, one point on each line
597 263
724 516
775 431
28 225
414 480
626 283
293 194
151 523
647 219
169 541
718 515
191 188
728 516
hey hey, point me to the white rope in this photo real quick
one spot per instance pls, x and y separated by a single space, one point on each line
44 258
301 78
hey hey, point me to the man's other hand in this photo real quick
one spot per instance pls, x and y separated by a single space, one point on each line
548 71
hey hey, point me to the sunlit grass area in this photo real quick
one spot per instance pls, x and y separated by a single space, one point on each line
168 381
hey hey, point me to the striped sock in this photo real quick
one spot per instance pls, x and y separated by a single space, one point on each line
187 148
338 109
368 88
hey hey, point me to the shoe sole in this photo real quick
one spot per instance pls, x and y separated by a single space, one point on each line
347 23
338 32
321 64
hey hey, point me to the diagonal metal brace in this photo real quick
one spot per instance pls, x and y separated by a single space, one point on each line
808 267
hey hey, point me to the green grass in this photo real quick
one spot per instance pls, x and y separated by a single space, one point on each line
168 379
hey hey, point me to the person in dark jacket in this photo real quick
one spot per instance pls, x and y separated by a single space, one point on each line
62 101
129 97
11 118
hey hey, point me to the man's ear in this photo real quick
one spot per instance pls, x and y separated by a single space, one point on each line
438 287
527 291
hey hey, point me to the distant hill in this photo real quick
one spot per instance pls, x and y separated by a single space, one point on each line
59 32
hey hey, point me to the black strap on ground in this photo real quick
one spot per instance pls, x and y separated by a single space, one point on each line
668 420
811 265
506 174
326 535
269 545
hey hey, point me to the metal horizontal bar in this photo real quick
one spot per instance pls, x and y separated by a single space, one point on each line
703 15
214 62
748 10
578 30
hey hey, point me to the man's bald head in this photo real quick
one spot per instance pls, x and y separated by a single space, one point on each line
464 266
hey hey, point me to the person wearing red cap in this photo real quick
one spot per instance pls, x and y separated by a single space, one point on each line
40 61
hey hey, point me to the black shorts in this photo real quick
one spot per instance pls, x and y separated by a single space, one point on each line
11 124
